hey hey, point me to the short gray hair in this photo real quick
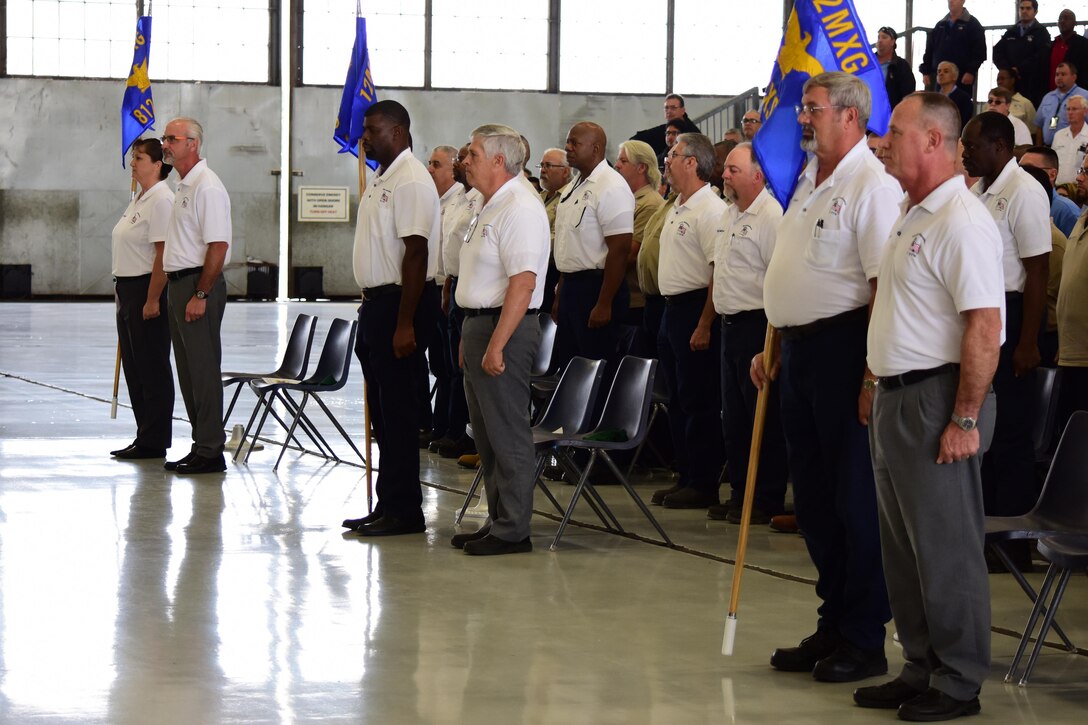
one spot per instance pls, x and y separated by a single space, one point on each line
498 139
640 152
195 128
450 151
756 166
701 149
845 90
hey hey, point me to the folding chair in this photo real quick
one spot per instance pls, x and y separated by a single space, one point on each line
1047 385
569 411
1062 507
626 412
330 375
293 366
1066 554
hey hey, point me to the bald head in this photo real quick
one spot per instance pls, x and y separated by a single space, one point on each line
586 142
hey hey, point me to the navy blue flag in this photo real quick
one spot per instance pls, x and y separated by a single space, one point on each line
821 35
137 109
359 95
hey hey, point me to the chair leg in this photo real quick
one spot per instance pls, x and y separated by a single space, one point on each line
573 502
323 448
1026 586
1038 608
237 391
339 427
1059 592
638 499
468 496
567 465
267 403
638 451
541 462
294 424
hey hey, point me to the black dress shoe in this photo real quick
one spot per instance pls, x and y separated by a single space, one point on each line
455 449
804 657
935 706
690 498
173 465
433 445
391 526
459 540
494 546
199 464
888 696
658 497
370 518
850 664
136 453
122 450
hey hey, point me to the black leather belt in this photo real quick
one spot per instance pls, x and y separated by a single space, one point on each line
494 311
374 293
744 316
184 273
911 377
584 274
137 278
695 295
800 332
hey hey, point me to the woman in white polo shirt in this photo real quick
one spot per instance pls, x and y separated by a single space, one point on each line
142 329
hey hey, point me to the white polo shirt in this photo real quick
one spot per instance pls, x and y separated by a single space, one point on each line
1021 134
462 219
1070 150
449 206
510 236
400 202
942 258
692 231
1019 206
144 223
201 215
830 240
600 206
741 258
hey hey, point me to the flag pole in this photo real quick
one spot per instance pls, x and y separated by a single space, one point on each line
769 344
366 397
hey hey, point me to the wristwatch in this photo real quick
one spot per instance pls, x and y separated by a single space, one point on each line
964 422
870 383
201 294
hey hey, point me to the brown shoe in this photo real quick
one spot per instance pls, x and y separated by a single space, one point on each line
785 524
469 460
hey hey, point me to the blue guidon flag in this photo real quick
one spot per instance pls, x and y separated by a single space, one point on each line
137 108
821 35
359 95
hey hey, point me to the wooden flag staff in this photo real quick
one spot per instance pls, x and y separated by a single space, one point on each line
366 397
117 362
770 345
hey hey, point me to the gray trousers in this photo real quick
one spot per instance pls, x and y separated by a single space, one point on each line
498 408
198 356
932 536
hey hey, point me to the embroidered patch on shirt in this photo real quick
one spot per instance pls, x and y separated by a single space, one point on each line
837 205
916 245
1002 204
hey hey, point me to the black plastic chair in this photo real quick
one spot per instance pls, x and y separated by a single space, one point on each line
570 411
1066 555
1062 507
1047 384
543 379
293 366
659 404
330 375
626 410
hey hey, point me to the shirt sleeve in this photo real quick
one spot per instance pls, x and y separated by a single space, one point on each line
616 210
162 206
968 263
414 209
215 224
876 213
524 239
1030 221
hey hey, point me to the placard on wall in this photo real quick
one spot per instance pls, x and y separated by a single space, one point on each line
323 204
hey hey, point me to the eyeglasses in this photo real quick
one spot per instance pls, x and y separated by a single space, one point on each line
1082 171
674 155
810 110
172 139
546 165
747 121
673 108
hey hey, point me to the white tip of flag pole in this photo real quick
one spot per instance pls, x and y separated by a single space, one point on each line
113 409
730 635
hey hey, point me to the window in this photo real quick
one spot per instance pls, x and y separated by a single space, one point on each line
207 40
394 31
722 48
489 44
612 46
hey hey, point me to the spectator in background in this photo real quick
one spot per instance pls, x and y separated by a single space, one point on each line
959 39
1071 142
1000 100
1020 107
1063 212
750 123
947 74
1026 47
674 111
733 134
1048 337
722 150
1073 315
672 130
638 167
1068 46
1051 116
898 78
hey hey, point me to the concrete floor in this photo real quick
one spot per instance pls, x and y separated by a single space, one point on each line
129 595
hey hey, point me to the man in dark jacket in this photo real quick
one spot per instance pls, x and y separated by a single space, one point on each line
957 38
898 78
1026 47
674 111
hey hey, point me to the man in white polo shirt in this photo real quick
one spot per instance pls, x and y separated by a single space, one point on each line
740 264
197 248
593 226
1071 142
817 292
1021 210
504 261
933 343
687 344
396 248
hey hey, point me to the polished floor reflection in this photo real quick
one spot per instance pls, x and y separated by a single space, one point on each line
130 595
